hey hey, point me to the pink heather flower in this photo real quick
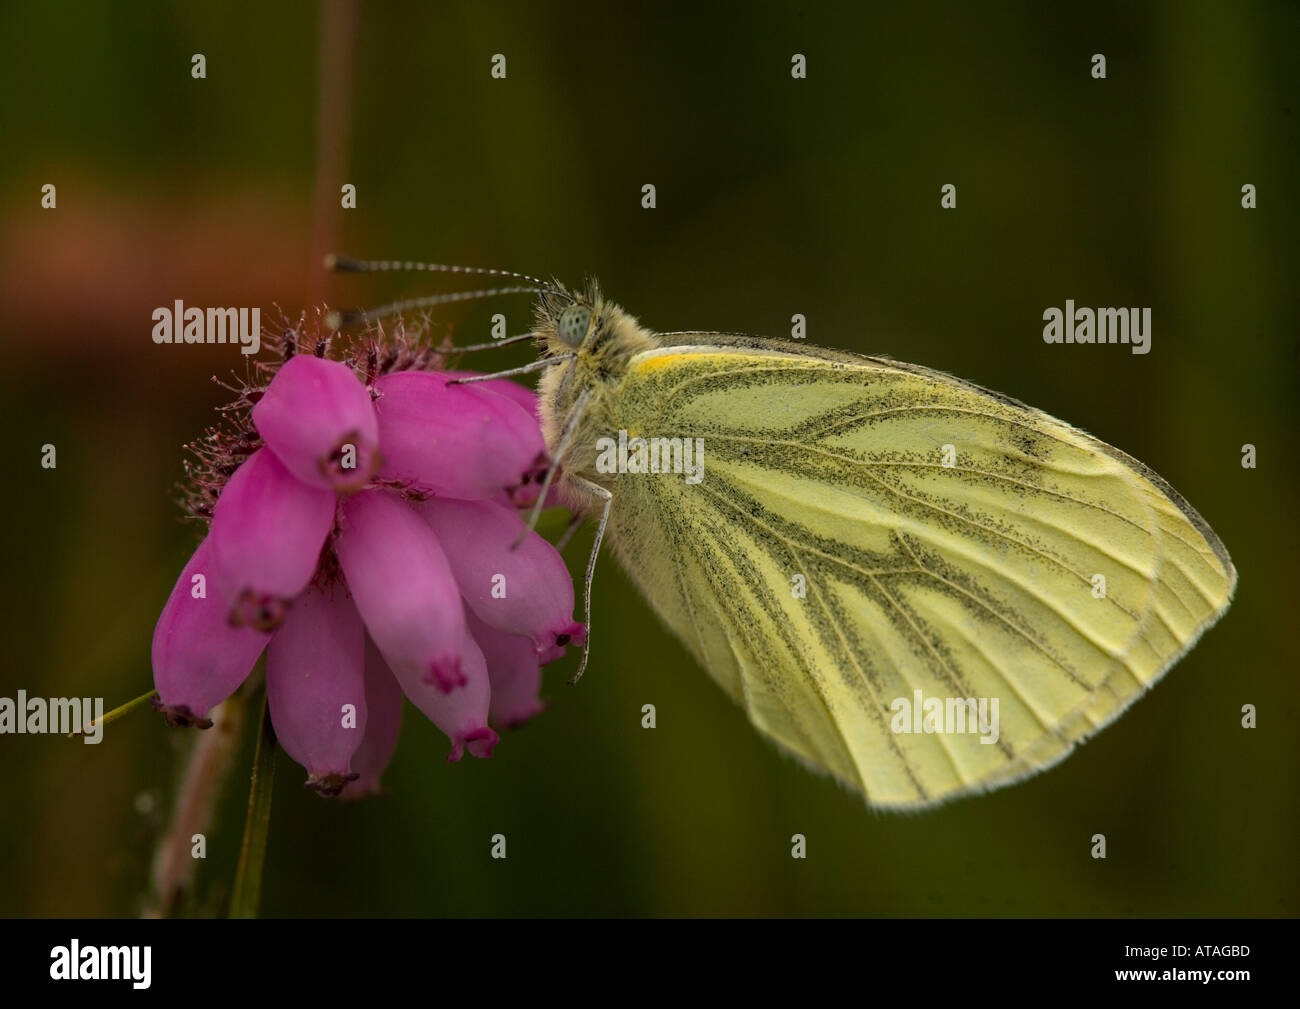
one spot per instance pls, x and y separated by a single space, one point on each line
527 400
199 658
315 685
319 421
514 670
462 713
267 531
458 440
383 722
358 514
525 590
404 588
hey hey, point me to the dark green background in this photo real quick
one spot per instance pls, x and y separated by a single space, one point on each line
775 196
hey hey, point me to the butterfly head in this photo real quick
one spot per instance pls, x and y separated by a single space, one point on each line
572 321
588 325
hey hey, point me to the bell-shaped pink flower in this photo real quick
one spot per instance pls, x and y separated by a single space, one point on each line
463 713
525 591
199 659
267 532
457 440
403 586
317 418
383 722
513 671
526 493
315 685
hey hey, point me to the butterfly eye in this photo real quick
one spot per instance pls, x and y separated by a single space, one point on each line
573 324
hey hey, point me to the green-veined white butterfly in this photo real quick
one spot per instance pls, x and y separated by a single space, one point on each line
947 539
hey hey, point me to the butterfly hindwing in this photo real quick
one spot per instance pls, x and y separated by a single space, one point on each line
866 529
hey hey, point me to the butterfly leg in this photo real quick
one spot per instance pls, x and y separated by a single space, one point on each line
608 498
574 524
570 426
470 348
538 365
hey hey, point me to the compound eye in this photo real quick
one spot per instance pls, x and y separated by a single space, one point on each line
573 324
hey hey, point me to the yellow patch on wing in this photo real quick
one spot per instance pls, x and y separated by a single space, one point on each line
655 361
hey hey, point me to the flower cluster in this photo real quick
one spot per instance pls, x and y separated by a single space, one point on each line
362 528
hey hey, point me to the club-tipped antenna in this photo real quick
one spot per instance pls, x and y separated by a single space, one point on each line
337 320
346 264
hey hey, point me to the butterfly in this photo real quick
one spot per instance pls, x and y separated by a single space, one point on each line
919 586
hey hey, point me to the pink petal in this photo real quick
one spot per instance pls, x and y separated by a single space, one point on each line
538 592
198 658
403 586
525 398
513 671
267 533
457 440
315 670
462 714
526 493
310 415
383 723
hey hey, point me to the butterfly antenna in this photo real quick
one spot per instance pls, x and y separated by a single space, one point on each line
337 320
346 264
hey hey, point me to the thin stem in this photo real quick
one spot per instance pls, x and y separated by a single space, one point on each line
252 853
115 714
201 787
336 61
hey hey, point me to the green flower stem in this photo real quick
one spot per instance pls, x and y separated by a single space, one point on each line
116 713
252 854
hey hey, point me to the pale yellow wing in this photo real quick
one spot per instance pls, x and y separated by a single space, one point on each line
948 540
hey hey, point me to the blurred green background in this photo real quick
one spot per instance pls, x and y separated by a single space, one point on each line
775 196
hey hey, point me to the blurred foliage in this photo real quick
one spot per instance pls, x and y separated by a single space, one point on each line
775 196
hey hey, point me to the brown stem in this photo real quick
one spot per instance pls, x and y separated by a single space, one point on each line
336 67
209 763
